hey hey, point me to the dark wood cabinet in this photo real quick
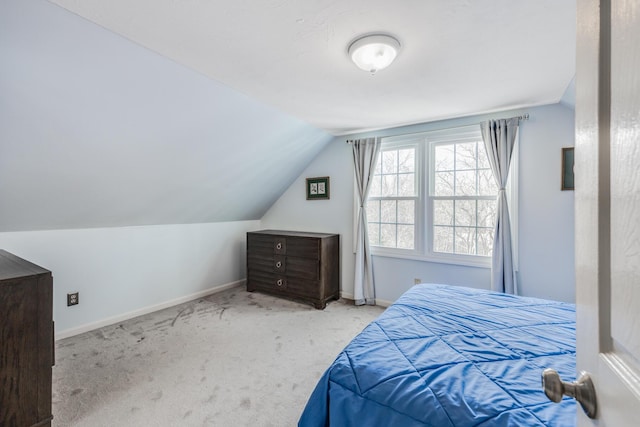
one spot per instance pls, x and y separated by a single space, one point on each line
296 265
26 342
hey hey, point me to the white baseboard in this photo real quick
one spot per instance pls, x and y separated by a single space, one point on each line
380 302
150 309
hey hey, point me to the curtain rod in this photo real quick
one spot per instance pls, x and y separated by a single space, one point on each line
521 117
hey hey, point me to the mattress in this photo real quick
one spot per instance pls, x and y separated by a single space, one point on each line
451 356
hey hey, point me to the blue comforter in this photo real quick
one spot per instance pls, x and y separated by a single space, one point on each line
451 356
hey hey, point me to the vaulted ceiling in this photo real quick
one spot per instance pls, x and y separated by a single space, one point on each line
136 112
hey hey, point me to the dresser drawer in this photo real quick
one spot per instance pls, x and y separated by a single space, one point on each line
267 263
303 268
304 248
266 244
266 281
272 282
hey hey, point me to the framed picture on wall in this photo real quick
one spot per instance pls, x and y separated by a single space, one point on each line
567 168
318 188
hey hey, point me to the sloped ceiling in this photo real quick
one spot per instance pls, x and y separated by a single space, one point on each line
96 131
458 57
138 112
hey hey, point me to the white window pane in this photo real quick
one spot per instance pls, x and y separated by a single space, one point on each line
465 211
443 185
466 156
485 241
373 211
406 212
390 161
376 186
465 183
483 160
389 185
465 240
406 236
407 185
374 233
487 213
407 160
388 235
443 212
388 211
443 239
444 157
486 183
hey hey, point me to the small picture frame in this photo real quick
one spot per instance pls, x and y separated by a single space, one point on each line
318 188
567 168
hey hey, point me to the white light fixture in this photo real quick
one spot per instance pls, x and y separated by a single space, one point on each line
374 52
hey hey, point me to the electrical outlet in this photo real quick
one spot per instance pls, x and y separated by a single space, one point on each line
417 281
73 299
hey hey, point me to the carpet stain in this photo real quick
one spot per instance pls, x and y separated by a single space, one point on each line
245 403
187 414
76 391
187 310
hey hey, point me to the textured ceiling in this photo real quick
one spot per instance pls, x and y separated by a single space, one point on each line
458 57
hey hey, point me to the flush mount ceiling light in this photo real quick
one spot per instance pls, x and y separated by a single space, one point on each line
374 52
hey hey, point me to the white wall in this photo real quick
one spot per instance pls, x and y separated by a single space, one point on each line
126 271
545 224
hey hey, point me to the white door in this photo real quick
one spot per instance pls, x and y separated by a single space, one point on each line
607 206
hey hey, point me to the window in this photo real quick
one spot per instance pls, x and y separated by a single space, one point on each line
433 196
391 206
462 196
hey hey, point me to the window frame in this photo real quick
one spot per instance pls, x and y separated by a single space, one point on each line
398 144
423 237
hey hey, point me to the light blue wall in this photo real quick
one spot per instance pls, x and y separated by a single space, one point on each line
545 213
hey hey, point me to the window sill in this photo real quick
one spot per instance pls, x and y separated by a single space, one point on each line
464 261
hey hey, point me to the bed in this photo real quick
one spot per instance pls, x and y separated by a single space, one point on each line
451 356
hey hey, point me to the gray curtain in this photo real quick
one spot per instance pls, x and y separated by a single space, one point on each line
365 153
499 138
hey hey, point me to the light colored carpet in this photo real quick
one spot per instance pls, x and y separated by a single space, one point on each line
231 359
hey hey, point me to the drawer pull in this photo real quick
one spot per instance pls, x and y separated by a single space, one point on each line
279 246
279 282
278 264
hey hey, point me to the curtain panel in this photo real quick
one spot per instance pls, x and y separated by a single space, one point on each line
499 138
365 154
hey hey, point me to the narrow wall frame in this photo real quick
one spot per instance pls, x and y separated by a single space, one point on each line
318 188
567 168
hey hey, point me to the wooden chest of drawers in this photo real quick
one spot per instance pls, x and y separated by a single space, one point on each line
296 265
26 342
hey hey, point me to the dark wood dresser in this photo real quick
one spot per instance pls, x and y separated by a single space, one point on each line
26 342
295 265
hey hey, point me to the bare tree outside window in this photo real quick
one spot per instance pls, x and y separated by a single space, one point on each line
463 194
391 207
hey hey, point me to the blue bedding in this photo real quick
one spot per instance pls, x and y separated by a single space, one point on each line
451 356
